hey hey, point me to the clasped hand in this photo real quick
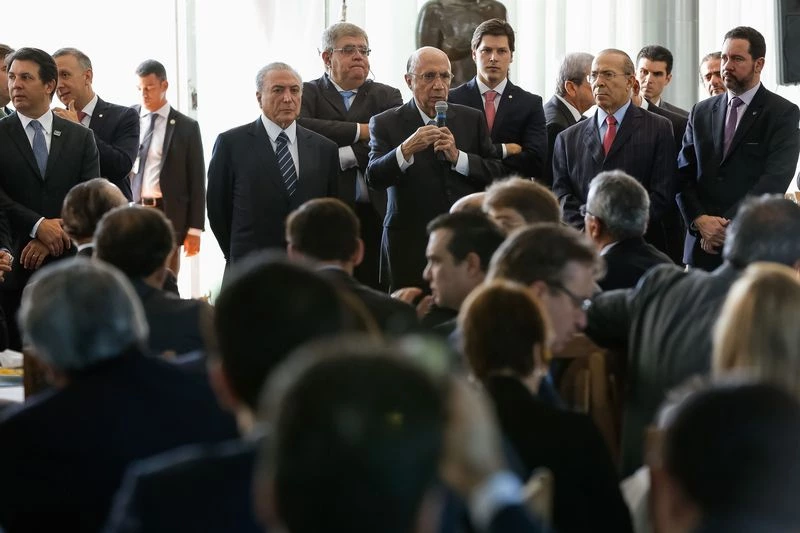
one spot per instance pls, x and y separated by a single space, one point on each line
441 139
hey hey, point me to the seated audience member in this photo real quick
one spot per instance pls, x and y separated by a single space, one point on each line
460 246
140 242
469 203
84 206
516 202
505 336
664 324
68 448
268 308
616 214
730 463
360 435
326 232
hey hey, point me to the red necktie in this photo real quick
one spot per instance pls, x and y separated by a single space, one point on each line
489 108
81 116
611 132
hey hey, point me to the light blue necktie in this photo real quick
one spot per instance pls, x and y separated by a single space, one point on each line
346 95
39 146
144 149
286 163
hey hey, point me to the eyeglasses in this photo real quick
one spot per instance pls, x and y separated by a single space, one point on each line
583 211
350 50
605 75
428 77
584 304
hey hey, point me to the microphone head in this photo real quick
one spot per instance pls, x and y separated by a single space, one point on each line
440 107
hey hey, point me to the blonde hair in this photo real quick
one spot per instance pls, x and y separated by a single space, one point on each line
757 330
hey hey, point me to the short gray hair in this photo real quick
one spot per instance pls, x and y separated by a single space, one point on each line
620 202
574 68
78 312
277 65
83 59
334 32
766 228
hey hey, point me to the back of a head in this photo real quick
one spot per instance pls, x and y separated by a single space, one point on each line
269 308
469 233
533 201
325 229
357 442
735 451
135 239
541 252
86 203
79 312
766 228
745 342
620 202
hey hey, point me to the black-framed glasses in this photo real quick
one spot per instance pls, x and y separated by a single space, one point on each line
351 49
429 77
584 304
605 75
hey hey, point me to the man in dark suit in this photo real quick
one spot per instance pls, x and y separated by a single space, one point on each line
339 105
169 172
619 136
711 73
110 405
84 206
261 171
664 325
654 72
116 128
572 99
43 156
325 232
616 220
5 96
268 309
739 143
514 116
425 168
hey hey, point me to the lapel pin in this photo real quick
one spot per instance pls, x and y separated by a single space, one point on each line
100 115
57 133
510 97
172 121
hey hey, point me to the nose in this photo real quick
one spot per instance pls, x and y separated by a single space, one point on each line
438 83
426 274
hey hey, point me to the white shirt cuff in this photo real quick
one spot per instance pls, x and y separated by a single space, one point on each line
462 163
501 490
195 231
36 228
358 133
401 162
347 158
505 152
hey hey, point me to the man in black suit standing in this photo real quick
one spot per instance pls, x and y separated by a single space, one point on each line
339 105
514 116
618 136
425 168
739 143
169 173
116 128
616 220
43 156
572 99
261 171
5 96
654 72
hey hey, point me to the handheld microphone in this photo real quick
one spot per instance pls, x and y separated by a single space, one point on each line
441 122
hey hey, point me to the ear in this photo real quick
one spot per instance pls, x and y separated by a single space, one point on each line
164 86
538 288
50 86
759 65
89 76
258 98
292 253
474 56
221 386
408 80
358 254
593 227
570 88
474 269
668 79
326 58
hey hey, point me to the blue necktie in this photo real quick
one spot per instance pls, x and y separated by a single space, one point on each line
39 146
346 95
286 163
144 149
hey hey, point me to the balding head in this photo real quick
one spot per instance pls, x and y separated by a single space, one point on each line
428 75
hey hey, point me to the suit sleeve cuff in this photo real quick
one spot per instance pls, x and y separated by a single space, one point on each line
347 158
501 490
36 228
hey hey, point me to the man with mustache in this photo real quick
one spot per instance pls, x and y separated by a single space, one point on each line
711 75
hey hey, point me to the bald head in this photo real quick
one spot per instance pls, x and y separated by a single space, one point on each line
428 76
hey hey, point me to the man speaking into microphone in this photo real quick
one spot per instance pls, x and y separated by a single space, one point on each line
424 166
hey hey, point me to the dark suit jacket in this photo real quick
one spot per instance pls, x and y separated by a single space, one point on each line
392 315
674 109
664 326
558 117
182 178
643 147
627 261
519 119
26 195
323 111
586 490
70 447
428 187
201 487
762 158
247 199
174 322
116 132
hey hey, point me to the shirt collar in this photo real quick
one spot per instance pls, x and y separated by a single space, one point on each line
656 103
572 109
273 130
619 114
163 111
425 118
746 96
608 247
645 104
482 87
89 108
45 120
336 86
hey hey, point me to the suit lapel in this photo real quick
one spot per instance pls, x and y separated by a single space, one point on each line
591 139
17 134
309 169
629 124
505 105
97 122
333 96
359 100
268 161
750 115
565 112
718 124
168 137
57 140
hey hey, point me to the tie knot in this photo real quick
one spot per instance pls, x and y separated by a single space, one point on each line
347 94
736 102
610 120
36 125
283 138
490 96
81 115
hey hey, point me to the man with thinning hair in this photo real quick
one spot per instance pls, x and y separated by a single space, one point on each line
515 202
711 73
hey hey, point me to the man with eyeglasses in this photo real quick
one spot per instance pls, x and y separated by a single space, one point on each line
514 116
425 168
339 105
618 136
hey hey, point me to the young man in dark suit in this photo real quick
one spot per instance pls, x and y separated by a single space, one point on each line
170 171
116 128
339 105
261 171
514 116
654 72
43 156
739 143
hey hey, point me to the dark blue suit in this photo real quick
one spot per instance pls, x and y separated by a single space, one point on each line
519 119
116 132
558 117
247 199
